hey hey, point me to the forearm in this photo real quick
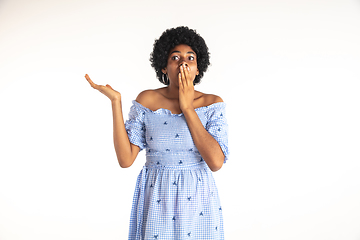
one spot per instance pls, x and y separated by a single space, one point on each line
125 151
208 147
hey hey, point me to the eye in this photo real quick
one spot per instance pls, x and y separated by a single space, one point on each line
175 58
191 58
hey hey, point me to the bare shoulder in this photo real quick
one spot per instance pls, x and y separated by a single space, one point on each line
148 98
212 98
208 99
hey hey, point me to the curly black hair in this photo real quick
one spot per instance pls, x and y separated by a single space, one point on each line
176 36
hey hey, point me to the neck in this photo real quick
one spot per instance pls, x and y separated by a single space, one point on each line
172 91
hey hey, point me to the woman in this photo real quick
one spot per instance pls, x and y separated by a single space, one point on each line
184 133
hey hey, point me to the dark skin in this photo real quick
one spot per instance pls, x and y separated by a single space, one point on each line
169 97
178 97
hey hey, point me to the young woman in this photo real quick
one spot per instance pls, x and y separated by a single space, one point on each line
184 133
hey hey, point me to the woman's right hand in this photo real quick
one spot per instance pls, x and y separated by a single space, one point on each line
107 90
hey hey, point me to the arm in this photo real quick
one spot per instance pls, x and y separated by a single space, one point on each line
208 147
126 152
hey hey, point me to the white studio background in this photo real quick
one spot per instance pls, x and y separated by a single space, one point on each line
288 70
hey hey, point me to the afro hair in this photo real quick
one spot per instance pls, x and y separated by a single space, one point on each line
176 36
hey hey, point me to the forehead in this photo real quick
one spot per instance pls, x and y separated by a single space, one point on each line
182 48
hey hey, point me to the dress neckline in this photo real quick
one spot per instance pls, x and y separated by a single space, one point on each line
167 111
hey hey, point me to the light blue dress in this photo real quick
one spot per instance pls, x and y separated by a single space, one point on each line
175 195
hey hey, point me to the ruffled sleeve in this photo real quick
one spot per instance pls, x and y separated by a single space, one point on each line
135 125
217 126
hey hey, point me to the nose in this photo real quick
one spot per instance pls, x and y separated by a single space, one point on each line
184 63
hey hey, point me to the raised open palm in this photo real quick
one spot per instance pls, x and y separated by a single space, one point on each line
107 90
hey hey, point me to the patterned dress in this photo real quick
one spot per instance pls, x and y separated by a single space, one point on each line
175 195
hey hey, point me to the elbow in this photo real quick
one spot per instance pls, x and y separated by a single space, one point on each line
125 163
216 166
122 165
215 169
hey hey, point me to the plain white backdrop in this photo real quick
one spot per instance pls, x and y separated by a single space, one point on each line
288 71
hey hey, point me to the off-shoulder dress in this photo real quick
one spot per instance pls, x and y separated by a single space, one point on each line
175 195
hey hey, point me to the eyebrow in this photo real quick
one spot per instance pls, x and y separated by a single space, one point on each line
180 52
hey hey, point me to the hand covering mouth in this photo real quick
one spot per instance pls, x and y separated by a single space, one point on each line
185 65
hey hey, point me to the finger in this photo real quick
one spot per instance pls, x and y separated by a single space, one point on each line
180 81
183 77
87 77
187 74
186 71
90 81
107 85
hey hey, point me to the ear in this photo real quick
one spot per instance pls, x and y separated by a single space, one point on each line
164 70
197 72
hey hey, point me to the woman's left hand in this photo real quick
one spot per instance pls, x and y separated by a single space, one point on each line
186 88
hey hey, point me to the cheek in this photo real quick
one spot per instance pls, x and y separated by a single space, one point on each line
194 70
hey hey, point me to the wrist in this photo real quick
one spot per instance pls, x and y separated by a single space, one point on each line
116 101
188 110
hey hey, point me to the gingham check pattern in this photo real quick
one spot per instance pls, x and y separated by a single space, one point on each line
175 195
